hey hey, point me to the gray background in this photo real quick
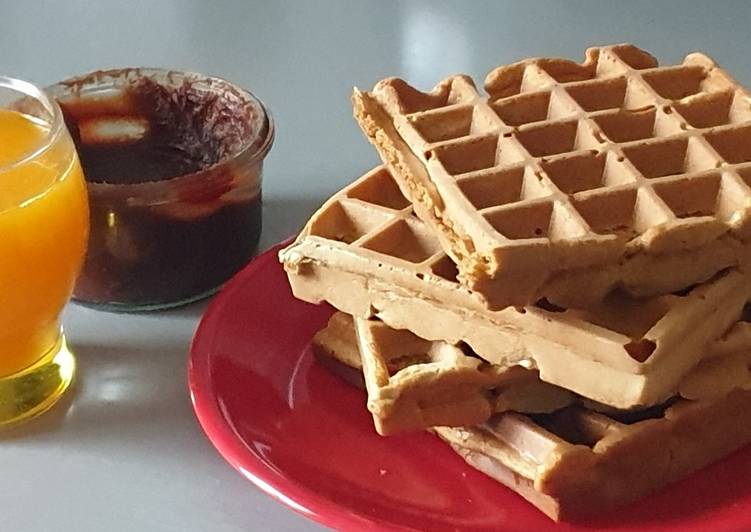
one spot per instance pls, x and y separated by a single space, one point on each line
124 451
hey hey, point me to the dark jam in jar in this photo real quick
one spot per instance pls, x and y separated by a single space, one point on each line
173 163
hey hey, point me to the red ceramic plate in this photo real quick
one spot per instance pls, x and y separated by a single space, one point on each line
305 437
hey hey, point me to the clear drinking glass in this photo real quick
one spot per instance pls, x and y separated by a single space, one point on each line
44 224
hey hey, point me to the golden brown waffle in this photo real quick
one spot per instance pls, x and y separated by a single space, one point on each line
414 384
614 169
368 255
575 461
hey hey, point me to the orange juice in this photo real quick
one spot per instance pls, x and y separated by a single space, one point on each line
43 233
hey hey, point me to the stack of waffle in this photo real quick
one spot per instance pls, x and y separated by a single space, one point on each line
550 276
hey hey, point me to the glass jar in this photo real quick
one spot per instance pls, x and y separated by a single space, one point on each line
173 162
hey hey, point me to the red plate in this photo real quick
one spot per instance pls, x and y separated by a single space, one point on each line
305 437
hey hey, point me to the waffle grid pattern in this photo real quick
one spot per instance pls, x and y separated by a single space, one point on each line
569 443
575 460
372 214
372 217
604 151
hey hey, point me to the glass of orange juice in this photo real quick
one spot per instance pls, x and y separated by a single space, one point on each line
43 234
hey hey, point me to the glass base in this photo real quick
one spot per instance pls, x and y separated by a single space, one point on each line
35 389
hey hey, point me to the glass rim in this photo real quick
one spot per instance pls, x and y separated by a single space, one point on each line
31 90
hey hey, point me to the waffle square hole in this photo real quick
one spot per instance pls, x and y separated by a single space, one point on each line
443 124
691 197
586 171
634 57
446 268
639 95
740 110
505 81
609 212
670 157
629 316
733 145
745 175
468 155
574 425
523 221
677 82
408 241
348 221
632 417
565 71
523 109
600 94
708 110
734 197
499 186
551 139
412 100
380 189
510 151
625 126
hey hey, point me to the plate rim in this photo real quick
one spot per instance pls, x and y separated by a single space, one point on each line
244 460
217 427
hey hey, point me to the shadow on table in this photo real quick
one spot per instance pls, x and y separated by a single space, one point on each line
120 392
135 387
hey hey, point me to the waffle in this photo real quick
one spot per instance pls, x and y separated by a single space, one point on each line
367 254
414 384
615 169
576 461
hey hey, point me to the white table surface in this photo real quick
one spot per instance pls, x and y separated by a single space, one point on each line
124 452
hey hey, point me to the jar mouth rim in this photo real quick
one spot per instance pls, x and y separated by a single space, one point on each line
252 150
29 90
